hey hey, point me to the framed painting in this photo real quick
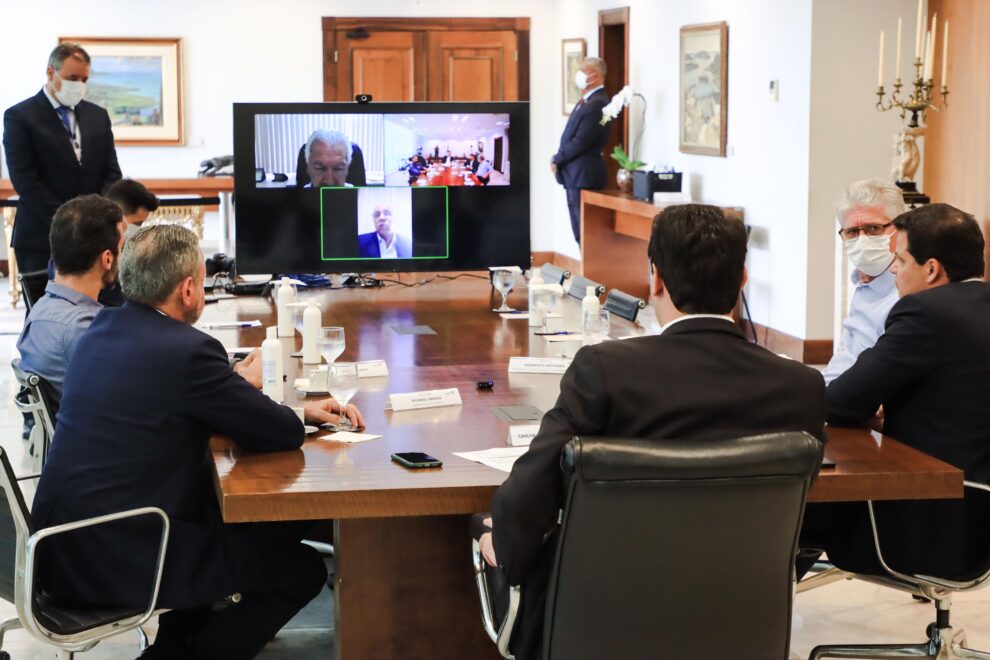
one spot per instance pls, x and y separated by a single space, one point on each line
139 83
704 88
574 52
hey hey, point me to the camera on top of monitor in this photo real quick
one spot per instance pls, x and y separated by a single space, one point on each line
363 99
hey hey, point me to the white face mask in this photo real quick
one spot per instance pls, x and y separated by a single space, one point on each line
871 255
72 92
581 79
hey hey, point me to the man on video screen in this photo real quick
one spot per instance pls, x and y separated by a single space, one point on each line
383 243
328 157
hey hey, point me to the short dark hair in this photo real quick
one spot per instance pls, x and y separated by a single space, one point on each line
700 254
82 229
64 51
944 233
132 195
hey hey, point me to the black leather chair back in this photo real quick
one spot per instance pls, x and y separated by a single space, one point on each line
622 304
579 287
676 549
39 391
14 514
33 286
552 274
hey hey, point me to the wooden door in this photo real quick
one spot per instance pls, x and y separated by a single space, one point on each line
382 64
473 66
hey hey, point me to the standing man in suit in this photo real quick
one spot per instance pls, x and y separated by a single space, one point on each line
578 163
58 147
699 379
143 393
923 384
383 243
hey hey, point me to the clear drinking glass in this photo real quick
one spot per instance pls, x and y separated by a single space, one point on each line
343 384
597 325
331 344
544 300
503 280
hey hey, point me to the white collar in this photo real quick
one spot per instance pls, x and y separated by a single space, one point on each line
686 317
51 98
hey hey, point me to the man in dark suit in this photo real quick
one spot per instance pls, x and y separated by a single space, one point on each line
58 147
578 163
923 383
383 243
699 379
144 392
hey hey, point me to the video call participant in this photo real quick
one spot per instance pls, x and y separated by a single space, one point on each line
44 138
147 389
927 374
383 243
734 388
328 157
484 171
85 243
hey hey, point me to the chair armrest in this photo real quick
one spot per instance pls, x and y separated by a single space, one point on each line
504 634
35 540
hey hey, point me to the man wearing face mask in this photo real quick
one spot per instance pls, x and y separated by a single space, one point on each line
58 147
578 163
865 212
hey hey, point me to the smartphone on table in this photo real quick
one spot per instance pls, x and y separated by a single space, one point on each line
416 460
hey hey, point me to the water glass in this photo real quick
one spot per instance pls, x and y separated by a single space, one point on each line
596 324
331 344
544 300
503 280
343 385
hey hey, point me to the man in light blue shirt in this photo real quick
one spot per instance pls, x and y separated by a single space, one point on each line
865 211
85 239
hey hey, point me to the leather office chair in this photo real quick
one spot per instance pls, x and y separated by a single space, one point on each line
32 286
40 402
69 628
643 564
943 641
552 274
579 287
624 305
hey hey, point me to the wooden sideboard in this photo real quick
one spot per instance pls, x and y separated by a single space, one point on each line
615 232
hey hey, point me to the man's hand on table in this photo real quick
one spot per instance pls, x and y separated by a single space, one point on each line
328 410
250 368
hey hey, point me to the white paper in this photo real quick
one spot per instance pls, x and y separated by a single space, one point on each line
231 350
514 269
227 325
520 435
515 315
538 365
303 385
350 437
570 337
424 399
372 369
500 458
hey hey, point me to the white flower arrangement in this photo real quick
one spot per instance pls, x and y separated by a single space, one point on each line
615 106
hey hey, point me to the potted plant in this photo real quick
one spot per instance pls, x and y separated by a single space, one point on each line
626 167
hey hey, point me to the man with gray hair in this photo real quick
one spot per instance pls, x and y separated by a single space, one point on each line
328 157
143 393
866 211
578 163
44 137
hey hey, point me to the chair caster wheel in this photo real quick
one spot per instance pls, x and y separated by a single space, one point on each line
4 655
921 599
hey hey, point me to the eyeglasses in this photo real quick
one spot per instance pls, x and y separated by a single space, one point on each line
852 233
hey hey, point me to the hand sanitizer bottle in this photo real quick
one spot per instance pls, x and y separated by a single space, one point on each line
271 365
283 297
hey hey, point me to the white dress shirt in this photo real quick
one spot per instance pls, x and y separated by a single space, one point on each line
388 251
686 317
871 302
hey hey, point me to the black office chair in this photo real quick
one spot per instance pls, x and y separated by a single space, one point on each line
579 287
32 286
648 528
942 641
68 627
552 274
624 305
38 399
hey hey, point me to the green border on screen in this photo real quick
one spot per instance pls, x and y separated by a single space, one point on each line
446 220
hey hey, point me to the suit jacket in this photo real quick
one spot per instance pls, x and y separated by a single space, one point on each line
700 379
43 166
579 157
142 396
368 246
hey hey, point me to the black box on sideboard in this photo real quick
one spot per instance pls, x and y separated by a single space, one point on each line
646 183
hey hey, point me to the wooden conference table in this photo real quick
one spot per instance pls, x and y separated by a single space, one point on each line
404 586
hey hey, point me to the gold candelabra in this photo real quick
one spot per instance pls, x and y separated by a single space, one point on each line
920 101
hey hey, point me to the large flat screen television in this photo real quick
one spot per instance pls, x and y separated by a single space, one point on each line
350 188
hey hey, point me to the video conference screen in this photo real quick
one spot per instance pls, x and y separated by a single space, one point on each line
340 187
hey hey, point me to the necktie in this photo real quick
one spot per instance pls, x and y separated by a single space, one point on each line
63 112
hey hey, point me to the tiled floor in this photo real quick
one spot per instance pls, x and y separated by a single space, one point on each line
842 612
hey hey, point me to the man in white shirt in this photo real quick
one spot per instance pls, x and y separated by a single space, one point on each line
383 243
865 211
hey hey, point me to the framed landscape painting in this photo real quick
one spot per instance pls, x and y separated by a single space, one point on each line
704 88
574 51
139 83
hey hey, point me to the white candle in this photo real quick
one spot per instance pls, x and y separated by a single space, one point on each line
924 60
930 57
945 56
917 35
897 58
880 74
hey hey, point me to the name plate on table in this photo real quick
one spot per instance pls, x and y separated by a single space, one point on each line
521 435
372 369
538 365
424 399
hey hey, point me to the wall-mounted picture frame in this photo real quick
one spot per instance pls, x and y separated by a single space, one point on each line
704 88
138 81
573 52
